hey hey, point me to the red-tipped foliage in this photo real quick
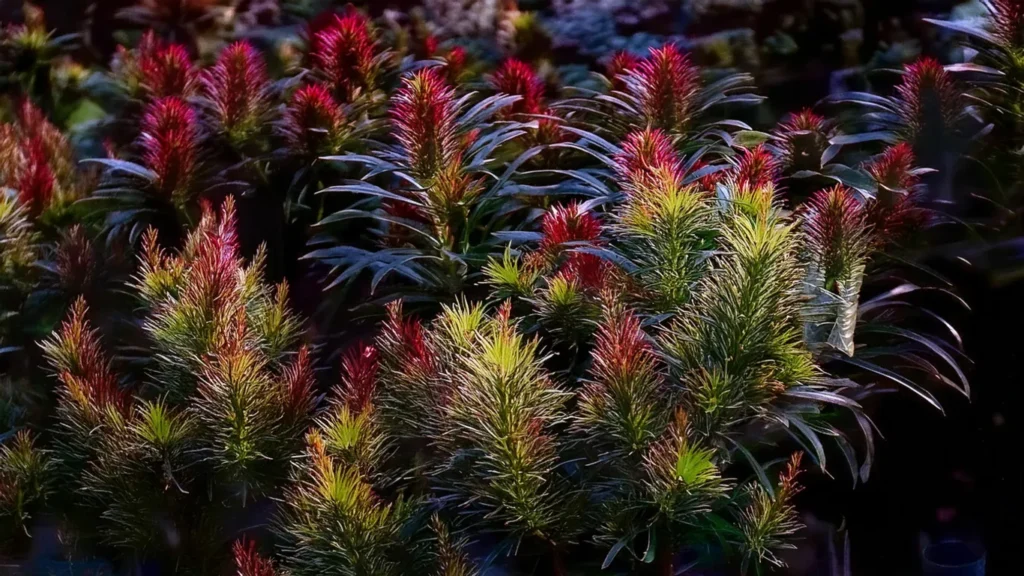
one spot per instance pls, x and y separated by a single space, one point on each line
894 210
927 91
76 261
1008 21
893 168
359 376
215 260
346 52
170 143
570 223
300 384
836 226
666 84
423 113
36 180
165 70
82 366
248 561
236 87
757 168
646 156
517 78
802 138
409 341
622 351
312 118
621 63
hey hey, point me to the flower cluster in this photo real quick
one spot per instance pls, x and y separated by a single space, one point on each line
237 87
347 55
169 139
37 161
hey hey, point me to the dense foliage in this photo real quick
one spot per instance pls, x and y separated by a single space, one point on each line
601 327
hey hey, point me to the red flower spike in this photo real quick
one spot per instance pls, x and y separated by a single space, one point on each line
757 168
893 168
423 113
621 63
237 88
647 156
894 210
455 64
570 223
802 139
313 117
166 70
429 47
925 91
588 271
1008 21
248 561
836 226
35 180
359 376
518 78
170 145
345 51
567 223
666 84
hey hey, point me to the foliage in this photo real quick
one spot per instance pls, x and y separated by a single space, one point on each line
598 319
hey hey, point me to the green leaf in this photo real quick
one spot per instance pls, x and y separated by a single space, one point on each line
750 138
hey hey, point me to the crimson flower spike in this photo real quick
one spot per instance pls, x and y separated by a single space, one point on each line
802 139
346 51
1008 21
517 78
423 113
621 63
647 155
894 210
757 168
455 64
666 85
35 180
893 168
570 223
248 560
165 70
837 232
312 121
359 376
170 143
237 88
927 91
